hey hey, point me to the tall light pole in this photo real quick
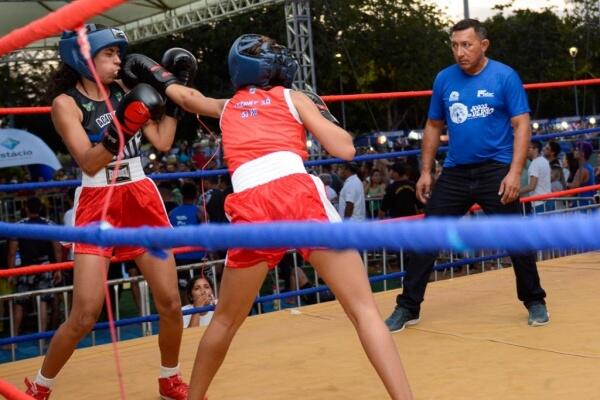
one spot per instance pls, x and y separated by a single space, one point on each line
338 57
466 8
573 53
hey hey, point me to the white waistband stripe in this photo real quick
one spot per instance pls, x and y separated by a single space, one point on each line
130 170
266 169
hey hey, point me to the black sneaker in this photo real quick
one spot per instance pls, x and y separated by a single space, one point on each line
400 318
538 315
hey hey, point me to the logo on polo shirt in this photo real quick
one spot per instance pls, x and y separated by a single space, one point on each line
453 96
459 112
484 93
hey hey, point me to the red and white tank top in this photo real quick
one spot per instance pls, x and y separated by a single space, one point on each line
257 122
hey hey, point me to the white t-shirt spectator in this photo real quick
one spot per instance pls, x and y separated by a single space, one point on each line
540 168
353 192
204 319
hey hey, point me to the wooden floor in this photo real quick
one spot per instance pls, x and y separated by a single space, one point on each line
473 342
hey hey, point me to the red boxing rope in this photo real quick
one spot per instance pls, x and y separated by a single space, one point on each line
425 93
25 110
351 97
527 199
37 269
8 391
68 17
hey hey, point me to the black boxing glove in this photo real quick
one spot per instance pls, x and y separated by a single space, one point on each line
184 66
141 104
321 106
138 68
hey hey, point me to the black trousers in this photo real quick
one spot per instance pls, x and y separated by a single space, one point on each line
457 189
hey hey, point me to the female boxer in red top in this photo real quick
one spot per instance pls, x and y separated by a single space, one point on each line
87 129
264 140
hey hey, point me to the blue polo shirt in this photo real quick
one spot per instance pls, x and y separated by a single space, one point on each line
477 110
184 215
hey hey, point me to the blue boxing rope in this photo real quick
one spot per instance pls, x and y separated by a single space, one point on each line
204 173
513 233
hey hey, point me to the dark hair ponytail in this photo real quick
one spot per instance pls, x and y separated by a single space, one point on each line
61 80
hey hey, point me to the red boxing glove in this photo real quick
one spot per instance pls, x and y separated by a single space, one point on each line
140 105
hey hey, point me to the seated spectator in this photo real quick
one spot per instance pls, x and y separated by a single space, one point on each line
200 293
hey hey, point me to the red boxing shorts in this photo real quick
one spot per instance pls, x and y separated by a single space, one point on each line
295 197
133 203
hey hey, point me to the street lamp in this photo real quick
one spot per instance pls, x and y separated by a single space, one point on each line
573 53
338 57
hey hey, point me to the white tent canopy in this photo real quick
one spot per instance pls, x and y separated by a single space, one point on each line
19 148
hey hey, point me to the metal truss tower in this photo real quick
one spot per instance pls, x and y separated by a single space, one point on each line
166 21
300 41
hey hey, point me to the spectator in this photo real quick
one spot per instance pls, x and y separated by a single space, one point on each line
200 293
214 200
336 182
400 199
332 196
198 159
225 184
551 151
374 191
539 177
166 192
184 154
187 214
212 152
352 196
584 175
570 166
34 252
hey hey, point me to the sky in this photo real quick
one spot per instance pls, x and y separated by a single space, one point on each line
481 9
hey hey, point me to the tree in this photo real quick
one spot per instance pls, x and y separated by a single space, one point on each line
535 45
386 46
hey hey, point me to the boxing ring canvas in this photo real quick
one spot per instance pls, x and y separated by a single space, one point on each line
473 342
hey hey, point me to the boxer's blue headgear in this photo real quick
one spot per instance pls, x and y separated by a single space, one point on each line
273 65
99 38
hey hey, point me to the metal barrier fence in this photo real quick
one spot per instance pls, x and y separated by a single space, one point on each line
378 265
12 206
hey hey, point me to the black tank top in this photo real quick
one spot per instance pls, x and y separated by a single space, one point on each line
97 118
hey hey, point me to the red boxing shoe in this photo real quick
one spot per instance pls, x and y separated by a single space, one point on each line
172 388
36 391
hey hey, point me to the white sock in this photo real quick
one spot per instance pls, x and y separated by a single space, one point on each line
43 381
166 372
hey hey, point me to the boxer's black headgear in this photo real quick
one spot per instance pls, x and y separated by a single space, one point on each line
271 65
